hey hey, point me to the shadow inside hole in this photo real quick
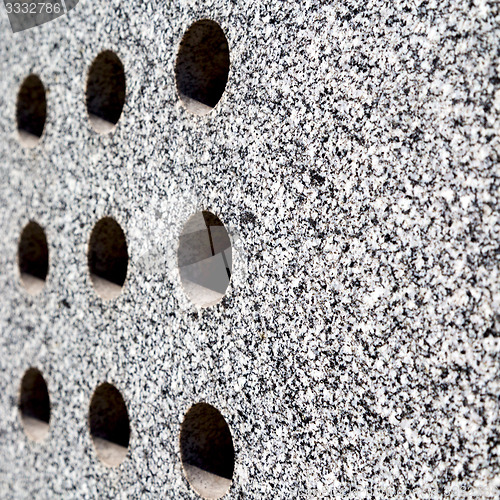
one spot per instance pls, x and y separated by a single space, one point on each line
34 405
204 258
33 257
202 66
108 258
207 451
105 91
31 111
109 425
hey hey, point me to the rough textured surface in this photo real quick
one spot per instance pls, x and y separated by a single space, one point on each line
354 160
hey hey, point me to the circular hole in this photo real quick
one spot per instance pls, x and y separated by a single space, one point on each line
105 91
109 425
108 258
31 111
34 405
33 257
207 451
204 258
202 66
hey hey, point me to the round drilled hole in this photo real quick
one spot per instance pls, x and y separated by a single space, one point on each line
34 405
109 425
108 258
207 451
105 91
33 258
202 66
31 111
204 258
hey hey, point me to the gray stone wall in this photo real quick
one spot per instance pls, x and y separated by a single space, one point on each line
353 161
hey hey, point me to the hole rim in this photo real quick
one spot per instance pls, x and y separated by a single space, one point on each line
103 287
35 429
183 251
33 283
207 476
25 137
98 124
192 105
110 453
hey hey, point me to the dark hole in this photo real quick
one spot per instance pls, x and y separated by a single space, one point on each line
108 257
33 257
108 415
105 91
202 66
207 451
109 424
31 110
34 404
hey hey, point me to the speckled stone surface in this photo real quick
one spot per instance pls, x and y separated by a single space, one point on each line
354 159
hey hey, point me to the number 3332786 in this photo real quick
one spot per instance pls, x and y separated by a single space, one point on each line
33 8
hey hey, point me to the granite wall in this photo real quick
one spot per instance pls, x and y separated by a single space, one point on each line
333 166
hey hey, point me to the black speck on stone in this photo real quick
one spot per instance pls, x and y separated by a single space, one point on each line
317 179
492 332
248 218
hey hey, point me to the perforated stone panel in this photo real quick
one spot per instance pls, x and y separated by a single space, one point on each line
353 159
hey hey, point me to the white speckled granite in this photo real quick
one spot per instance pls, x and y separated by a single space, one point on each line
354 159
